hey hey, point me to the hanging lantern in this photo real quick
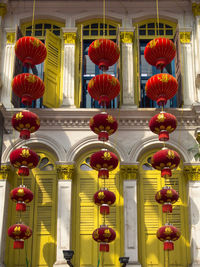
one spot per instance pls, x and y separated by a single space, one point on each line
28 87
165 160
104 53
103 125
160 52
30 50
19 232
104 198
166 196
104 235
103 161
161 87
103 88
24 159
167 234
25 122
163 124
21 195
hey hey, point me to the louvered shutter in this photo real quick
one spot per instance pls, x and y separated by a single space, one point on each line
52 69
137 89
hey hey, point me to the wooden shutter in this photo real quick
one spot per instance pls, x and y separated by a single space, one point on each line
178 69
52 70
137 89
18 68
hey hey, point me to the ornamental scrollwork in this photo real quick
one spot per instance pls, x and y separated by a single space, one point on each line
192 173
65 172
129 172
69 37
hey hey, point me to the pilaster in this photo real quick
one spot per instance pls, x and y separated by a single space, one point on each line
4 188
3 10
65 174
187 68
126 36
69 36
8 67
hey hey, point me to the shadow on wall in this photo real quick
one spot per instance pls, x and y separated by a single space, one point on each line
46 249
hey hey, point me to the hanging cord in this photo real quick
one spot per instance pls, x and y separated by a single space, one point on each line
32 33
104 18
157 17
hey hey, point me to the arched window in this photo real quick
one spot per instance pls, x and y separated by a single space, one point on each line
89 31
144 32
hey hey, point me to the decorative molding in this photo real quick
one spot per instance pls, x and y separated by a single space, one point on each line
192 172
129 172
10 36
4 172
126 37
69 37
3 10
65 172
196 9
185 37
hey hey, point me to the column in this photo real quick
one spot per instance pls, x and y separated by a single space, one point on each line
2 14
8 66
193 175
69 36
65 173
187 68
129 175
128 100
4 193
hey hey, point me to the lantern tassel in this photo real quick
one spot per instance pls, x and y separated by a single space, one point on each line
103 174
23 171
25 134
18 244
104 247
168 245
20 206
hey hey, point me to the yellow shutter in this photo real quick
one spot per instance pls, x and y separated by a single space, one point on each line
136 66
52 71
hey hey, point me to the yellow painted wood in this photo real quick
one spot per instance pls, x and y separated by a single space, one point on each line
150 218
136 66
52 97
86 217
41 216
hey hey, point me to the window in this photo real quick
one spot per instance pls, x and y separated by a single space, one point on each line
49 71
89 32
146 31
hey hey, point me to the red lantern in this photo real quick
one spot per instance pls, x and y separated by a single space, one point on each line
161 87
24 159
165 160
104 198
104 235
104 53
103 125
30 50
160 52
163 124
166 196
104 88
21 195
25 122
167 234
103 161
19 232
28 87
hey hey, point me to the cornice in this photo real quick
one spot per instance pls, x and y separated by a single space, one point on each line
76 119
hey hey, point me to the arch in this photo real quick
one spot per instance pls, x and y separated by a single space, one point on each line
92 16
89 143
152 142
38 141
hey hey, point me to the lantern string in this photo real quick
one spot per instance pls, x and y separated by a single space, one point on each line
157 17
33 17
104 18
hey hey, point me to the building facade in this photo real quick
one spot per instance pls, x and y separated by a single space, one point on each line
63 215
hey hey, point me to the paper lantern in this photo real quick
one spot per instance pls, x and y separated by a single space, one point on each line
160 52
103 161
166 196
104 198
24 159
28 87
103 88
19 232
163 124
30 50
104 235
161 87
25 122
22 195
104 125
167 234
165 160
104 53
